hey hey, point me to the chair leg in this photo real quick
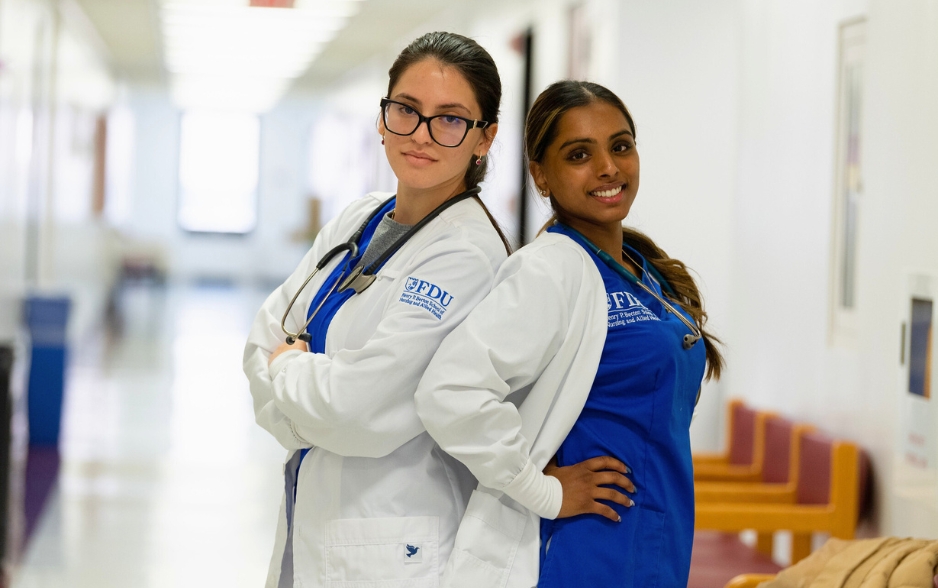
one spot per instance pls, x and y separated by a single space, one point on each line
800 547
765 542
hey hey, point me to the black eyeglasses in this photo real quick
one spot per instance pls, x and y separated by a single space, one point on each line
447 130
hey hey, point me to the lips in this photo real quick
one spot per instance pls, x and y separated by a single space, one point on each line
610 194
418 157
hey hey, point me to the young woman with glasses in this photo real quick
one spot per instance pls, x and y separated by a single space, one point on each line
369 498
569 390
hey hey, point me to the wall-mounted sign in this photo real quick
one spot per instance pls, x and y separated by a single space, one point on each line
919 413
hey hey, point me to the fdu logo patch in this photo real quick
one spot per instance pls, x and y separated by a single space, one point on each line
427 296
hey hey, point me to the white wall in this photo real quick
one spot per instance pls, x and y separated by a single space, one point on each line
54 83
899 214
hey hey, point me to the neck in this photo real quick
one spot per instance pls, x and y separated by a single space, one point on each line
413 204
607 237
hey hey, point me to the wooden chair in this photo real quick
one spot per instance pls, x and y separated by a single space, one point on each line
779 475
827 498
743 458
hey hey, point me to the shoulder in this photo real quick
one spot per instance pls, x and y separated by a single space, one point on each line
465 226
551 252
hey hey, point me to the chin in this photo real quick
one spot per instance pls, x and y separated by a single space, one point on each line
420 179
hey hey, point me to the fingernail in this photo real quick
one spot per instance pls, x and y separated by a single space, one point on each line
631 502
628 470
620 520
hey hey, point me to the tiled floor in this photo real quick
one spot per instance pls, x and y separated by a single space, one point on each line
165 480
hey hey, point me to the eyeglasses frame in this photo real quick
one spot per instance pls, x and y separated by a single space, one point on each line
470 123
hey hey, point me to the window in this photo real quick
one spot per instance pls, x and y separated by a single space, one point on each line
848 186
218 172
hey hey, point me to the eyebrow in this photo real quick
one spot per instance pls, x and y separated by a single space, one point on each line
592 141
440 107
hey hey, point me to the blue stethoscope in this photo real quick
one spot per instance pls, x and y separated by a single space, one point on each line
361 277
691 338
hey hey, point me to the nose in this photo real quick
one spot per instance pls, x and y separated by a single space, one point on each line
422 133
606 165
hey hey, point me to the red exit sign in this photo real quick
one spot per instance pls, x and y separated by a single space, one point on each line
272 3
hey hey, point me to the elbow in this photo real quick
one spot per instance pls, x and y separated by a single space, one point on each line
430 413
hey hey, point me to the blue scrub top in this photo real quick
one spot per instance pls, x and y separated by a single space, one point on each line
319 326
638 411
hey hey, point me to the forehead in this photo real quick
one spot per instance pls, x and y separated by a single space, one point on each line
434 83
597 120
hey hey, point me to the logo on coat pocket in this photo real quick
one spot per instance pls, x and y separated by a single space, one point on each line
413 553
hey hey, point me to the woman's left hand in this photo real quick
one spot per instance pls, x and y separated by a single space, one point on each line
299 345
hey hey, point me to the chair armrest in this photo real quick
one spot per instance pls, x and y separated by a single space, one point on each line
726 473
749 580
745 492
707 458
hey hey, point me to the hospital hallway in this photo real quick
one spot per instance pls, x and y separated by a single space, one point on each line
165 164
165 480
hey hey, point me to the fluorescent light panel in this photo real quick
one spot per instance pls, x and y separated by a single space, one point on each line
227 55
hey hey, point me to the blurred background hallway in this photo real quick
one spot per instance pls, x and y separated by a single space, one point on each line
164 164
164 480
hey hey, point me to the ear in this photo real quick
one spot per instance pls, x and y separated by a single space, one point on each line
488 137
537 173
380 126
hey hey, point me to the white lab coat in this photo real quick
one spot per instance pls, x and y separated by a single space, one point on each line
502 393
375 487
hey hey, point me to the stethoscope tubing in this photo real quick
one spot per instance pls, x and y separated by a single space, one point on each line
360 278
695 334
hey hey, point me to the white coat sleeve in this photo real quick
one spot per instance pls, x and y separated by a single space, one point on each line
360 402
266 335
503 346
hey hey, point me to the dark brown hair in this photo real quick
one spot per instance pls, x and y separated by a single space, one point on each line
478 68
540 130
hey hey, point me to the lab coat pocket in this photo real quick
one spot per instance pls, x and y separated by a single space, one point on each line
486 544
400 552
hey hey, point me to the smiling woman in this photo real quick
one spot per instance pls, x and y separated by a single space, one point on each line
589 475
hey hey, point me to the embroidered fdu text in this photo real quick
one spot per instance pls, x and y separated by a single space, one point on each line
427 296
625 308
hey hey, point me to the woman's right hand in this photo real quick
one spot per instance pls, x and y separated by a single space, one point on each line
584 485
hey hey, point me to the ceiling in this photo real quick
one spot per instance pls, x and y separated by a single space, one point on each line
130 30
